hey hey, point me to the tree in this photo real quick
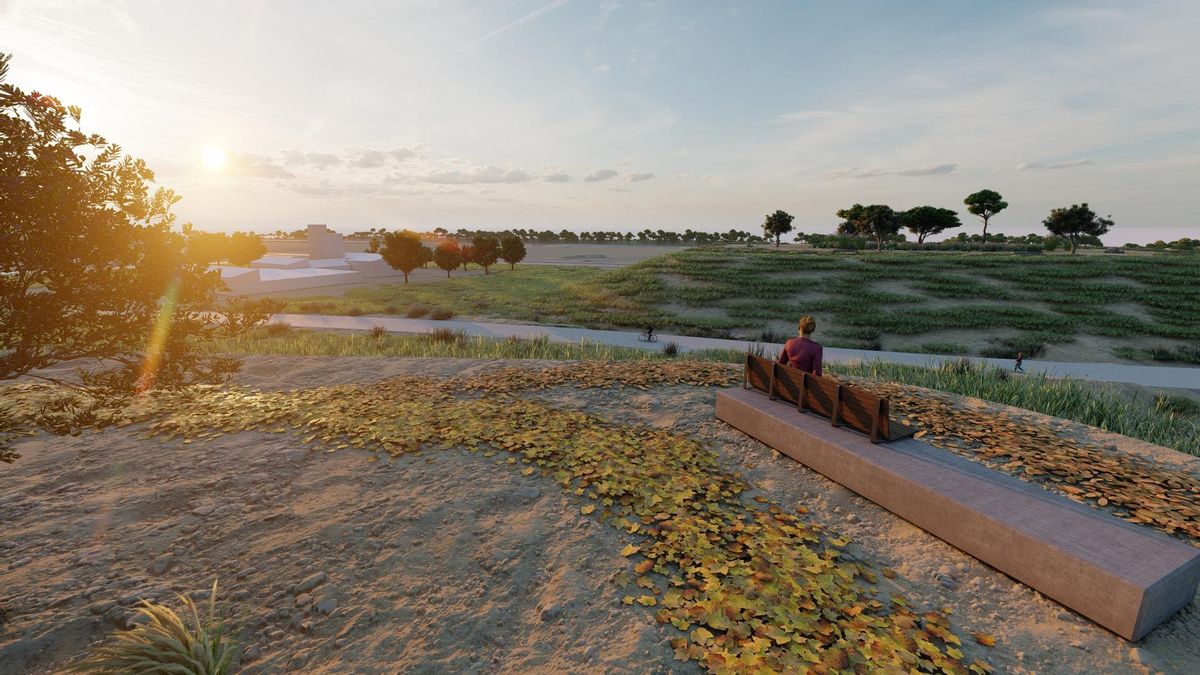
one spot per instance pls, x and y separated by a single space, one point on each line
486 249
926 220
512 250
92 264
448 256
877 221
245 247
403 251
207 247
985 204
1076 224
777 224
467 252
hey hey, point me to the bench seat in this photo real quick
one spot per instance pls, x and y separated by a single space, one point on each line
1124 577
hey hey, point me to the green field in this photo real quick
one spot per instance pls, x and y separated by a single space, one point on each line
1096 307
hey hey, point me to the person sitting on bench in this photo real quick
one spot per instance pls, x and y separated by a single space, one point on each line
801 352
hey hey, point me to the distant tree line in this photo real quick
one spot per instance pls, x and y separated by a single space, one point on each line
406 251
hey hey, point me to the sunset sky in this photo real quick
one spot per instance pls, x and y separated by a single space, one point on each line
626 115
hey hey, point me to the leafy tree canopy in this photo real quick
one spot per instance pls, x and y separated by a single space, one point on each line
512 249
90 264
448 255
777 224
1076 223
985 204
877 221
485 250
924 221
404 251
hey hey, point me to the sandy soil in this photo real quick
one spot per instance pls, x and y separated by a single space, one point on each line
441 562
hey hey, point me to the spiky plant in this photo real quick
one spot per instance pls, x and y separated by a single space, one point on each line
166 644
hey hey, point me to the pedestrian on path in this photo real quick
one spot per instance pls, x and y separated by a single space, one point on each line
801 352
1020 359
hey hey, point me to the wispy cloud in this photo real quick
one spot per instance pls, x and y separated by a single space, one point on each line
929 170
481 174
1067 164
531 16
557 177
638 177
855 172
597 176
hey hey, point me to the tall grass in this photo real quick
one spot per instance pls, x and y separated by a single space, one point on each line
1091 404
442 344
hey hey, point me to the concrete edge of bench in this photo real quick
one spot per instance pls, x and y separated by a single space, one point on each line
1124 577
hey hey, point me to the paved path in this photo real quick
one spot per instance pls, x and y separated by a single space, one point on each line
1153 376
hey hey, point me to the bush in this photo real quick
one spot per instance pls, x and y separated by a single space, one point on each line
1008 348
951 348
355 311
277 329
441 314
416 311
378 331
167 644
769 336
446 335
1175 404
671 349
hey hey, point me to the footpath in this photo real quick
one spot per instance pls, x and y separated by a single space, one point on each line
1177 377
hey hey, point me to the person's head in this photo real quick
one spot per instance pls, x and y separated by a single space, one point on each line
807 325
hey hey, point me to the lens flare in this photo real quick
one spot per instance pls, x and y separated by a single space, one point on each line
158 337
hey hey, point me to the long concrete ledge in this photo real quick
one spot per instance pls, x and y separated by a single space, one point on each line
1124 577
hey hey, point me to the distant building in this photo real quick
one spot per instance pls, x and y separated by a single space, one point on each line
327 264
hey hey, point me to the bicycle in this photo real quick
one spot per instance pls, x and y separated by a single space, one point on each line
648 335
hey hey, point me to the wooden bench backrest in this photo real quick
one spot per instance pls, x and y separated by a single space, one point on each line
841 403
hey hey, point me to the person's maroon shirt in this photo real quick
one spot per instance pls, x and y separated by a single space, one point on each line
803 354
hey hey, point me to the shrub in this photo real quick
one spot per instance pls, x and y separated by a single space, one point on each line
277 329
167 643
770 336
391 309
354 311
1008 348
952 348
446 335
416 311
441 314
671 349
378 331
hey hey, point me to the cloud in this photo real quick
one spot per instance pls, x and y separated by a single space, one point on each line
256 166
401 154
557 177
319 160
369 159
855 172
597 176
636 177
1067 164
929 170
481 174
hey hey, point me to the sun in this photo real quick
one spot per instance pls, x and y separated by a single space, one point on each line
213 157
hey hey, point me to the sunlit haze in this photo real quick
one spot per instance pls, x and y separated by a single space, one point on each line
625 115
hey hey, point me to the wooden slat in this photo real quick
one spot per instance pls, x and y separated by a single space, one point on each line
758 372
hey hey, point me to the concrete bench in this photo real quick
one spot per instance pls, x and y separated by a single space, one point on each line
1124 577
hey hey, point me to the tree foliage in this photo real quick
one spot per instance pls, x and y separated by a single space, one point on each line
245 247
512 249
485 250
985 204
777 224
90 264
877 221
1077 222
924 221
404 251
448 255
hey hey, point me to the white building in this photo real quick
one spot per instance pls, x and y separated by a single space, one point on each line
327 264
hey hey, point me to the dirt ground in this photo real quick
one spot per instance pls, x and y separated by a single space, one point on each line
440 562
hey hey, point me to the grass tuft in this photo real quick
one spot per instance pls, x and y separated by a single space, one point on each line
166 643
